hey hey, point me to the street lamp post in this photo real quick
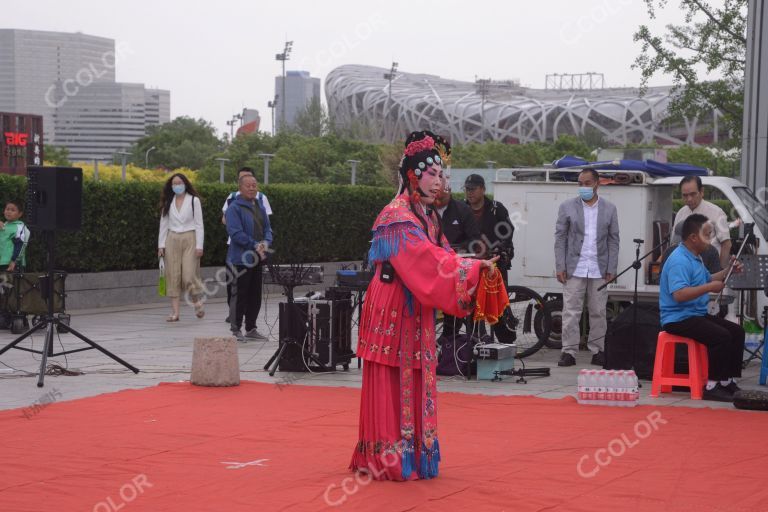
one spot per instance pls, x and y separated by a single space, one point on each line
124 154
273 105
221 168
266 157
286 55
483 85
354 170
146 157
390 76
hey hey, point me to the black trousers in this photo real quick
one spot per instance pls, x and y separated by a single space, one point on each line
245 300
724 341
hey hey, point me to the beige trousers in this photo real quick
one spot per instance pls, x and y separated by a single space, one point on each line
574 292
182 266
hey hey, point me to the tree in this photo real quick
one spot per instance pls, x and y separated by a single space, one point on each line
184 142
56 155
312 121
713 40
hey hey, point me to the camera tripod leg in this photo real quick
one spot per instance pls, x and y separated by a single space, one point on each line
275 359
93 344
47 348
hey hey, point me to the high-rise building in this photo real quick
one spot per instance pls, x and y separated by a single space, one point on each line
300 90
69 79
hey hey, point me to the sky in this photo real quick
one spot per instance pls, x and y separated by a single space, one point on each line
218 57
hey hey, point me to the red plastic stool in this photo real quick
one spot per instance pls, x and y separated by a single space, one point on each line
664 376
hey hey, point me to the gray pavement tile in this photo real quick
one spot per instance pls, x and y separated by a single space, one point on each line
163 353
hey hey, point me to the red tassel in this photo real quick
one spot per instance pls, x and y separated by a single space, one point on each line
492 296
413 181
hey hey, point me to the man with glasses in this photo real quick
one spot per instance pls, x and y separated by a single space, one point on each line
692 191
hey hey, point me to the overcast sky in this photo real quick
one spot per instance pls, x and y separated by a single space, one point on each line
217 57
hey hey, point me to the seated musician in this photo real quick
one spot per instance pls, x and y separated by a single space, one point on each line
683 297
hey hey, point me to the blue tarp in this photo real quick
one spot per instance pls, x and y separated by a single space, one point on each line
652 167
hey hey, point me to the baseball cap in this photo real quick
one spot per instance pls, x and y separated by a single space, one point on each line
474 180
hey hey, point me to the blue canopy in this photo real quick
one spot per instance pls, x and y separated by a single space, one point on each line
652 167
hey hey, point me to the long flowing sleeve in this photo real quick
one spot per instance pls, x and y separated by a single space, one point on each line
436 276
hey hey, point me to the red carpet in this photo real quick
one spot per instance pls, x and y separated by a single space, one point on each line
162 448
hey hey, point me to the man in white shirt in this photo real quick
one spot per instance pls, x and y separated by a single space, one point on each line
586 256
692 191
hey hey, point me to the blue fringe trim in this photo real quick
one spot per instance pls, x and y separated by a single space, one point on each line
408 459
428 467
408 300
390 239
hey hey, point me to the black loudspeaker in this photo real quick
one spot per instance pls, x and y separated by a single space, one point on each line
293 325
54 198
620 339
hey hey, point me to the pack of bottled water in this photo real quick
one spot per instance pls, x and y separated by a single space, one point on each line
618 388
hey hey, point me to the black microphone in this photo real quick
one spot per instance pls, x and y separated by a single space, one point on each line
638 241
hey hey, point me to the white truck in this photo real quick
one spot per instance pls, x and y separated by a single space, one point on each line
644 203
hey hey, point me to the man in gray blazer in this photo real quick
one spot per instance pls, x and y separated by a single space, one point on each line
586 256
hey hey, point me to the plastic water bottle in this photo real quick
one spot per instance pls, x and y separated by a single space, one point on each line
634 392
581 397
624 391
602 384
591 387
611 387
751 343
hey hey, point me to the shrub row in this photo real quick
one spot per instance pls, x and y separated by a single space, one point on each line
120 224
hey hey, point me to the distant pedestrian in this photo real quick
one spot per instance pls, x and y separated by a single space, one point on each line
180 242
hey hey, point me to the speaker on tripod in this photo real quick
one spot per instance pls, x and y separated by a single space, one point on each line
54 198
55 202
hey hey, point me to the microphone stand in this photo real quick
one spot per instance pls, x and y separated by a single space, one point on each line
637 265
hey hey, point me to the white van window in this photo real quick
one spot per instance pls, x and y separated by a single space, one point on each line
755 207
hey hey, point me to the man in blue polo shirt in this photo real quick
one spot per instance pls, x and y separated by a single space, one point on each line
683 297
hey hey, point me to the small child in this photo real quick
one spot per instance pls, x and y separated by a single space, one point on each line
14 237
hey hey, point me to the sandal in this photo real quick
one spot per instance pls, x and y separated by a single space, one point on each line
172 318
199 311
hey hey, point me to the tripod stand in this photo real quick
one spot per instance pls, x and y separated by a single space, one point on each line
289 282
49 322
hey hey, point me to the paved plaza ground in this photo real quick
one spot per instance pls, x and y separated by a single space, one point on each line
163 353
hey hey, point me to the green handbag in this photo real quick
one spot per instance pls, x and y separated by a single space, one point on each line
161 279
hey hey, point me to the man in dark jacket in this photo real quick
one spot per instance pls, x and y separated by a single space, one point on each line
460 229
494 223
251 235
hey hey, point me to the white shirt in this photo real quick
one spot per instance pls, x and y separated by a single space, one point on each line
183 220
587 266
716 217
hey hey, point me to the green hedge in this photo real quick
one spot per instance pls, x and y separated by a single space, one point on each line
120 224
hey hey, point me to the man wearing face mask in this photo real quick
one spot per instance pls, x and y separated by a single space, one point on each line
586 256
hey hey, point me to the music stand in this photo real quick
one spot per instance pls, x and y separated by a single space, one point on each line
49 322
752 277
296 275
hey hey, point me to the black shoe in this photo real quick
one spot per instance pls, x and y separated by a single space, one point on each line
732 387
598 359
227 319
718 394
566 359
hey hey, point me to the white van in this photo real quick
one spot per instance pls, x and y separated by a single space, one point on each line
644 203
